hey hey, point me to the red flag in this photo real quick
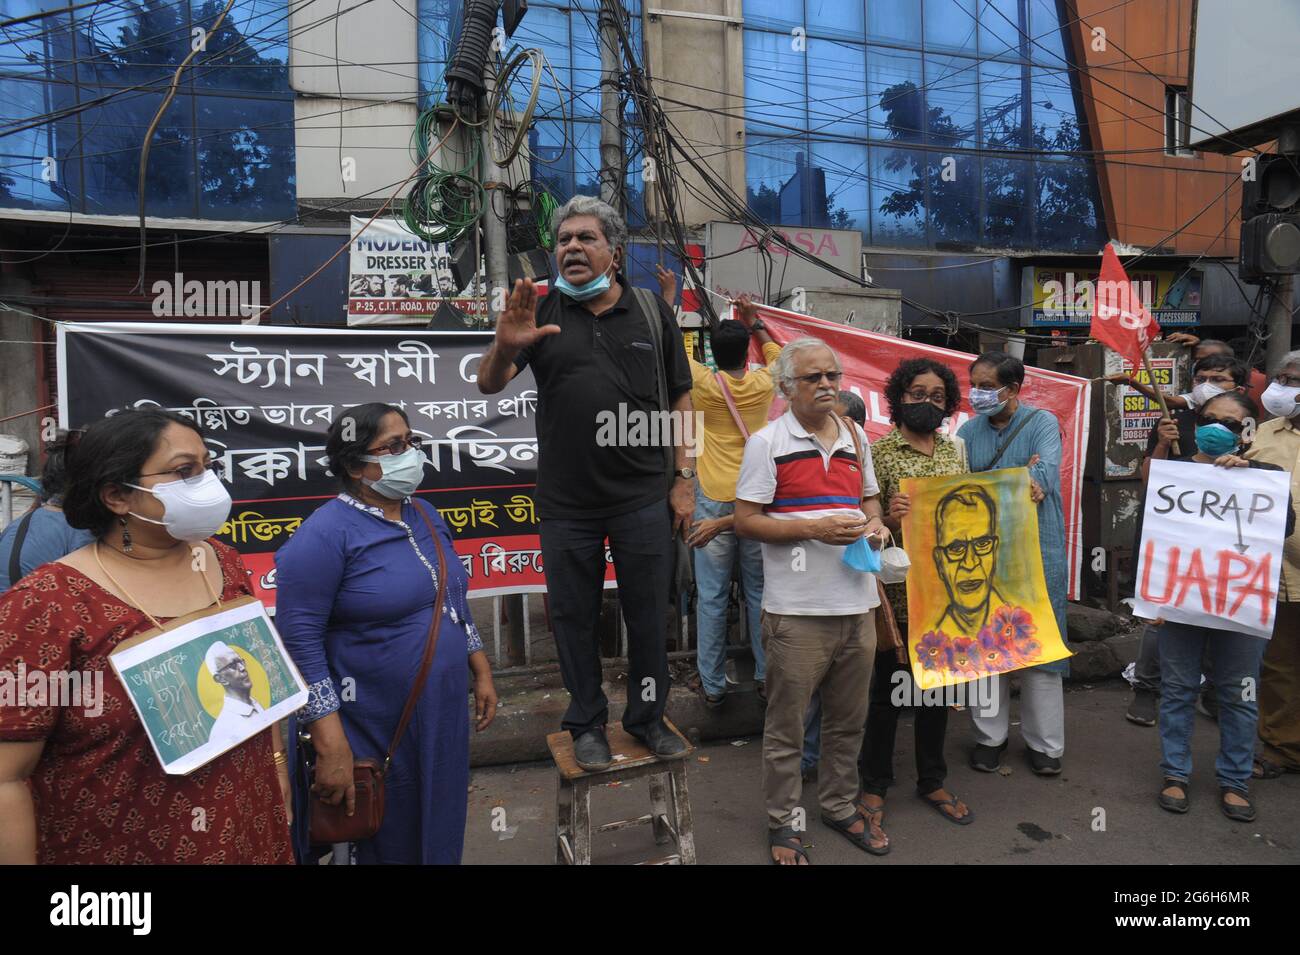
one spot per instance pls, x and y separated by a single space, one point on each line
1119 319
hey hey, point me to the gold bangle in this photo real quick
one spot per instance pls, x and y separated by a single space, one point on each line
279 758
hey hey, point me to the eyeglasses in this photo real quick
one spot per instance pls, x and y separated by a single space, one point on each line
1236 427
235 664
1288 381
832 376
398 445
939 398
956 550
1224 380
192 473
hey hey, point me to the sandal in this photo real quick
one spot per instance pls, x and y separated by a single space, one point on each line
938 804
860 839
786 838
1179 804
1265 769
1244 813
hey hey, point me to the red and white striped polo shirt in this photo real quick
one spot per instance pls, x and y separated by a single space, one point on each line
788 471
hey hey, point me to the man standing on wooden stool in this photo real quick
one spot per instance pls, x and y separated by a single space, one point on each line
609 364
807 489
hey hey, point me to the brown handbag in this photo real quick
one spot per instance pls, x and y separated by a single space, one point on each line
888 636
330 824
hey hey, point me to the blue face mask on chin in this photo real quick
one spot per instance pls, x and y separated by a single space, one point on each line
588 290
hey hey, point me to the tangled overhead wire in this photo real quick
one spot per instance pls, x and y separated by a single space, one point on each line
442 204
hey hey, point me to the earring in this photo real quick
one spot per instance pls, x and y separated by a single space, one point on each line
126 535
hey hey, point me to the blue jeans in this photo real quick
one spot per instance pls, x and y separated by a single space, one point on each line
1235 659
713 566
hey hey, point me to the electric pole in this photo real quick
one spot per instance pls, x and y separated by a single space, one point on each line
500 205
611 127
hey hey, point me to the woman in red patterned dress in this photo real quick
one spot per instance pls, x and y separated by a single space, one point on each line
79 782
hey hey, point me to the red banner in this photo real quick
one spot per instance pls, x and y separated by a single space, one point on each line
868 358
1119 319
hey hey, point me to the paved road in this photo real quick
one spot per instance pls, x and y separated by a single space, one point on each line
1110 765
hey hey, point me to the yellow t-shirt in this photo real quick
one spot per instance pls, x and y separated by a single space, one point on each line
724 446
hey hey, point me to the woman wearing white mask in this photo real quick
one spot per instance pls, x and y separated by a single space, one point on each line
355 588
79 782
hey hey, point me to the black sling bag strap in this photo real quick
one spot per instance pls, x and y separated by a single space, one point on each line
15 568
1006 442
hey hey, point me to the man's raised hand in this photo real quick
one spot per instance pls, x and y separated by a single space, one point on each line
517 323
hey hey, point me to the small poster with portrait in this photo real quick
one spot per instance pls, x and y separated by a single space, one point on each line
208 682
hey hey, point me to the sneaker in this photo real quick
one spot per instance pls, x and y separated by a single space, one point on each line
1042 764
985 758
1142 710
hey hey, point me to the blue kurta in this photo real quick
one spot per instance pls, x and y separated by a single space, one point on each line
1040 436
354 600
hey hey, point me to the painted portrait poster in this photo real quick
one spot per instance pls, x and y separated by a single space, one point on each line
977 601
208 683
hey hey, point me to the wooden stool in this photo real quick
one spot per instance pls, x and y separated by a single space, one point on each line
631 761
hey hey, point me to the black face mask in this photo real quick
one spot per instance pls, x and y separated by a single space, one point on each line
922 417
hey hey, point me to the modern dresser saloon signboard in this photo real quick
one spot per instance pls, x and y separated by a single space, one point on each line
208 682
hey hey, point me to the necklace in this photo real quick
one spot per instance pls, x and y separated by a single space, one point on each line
132 601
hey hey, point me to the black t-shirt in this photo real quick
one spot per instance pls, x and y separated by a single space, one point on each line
1187 456
1186 421
602 363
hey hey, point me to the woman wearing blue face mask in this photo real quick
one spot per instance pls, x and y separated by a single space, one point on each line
355 588
1221 425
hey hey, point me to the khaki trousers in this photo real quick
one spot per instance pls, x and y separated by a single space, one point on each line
803 653
1279 689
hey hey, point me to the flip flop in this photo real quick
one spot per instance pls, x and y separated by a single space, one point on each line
938 804
786 838
860 839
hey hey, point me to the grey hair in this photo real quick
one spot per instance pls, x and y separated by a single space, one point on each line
784 366
611 223
1289 359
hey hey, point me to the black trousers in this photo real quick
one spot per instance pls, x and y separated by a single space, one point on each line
573 553
876 761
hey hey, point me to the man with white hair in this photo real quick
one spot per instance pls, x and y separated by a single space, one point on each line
804 492
230 672
1277 441
603 351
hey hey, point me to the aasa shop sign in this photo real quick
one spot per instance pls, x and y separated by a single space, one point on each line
736 264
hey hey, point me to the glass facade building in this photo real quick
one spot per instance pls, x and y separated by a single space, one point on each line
931 124
78 90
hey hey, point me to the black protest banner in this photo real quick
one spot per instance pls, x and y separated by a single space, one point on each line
264 398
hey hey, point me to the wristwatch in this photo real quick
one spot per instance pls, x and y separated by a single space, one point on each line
687 473
757 326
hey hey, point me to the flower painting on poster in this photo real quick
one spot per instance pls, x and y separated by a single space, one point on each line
977 600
